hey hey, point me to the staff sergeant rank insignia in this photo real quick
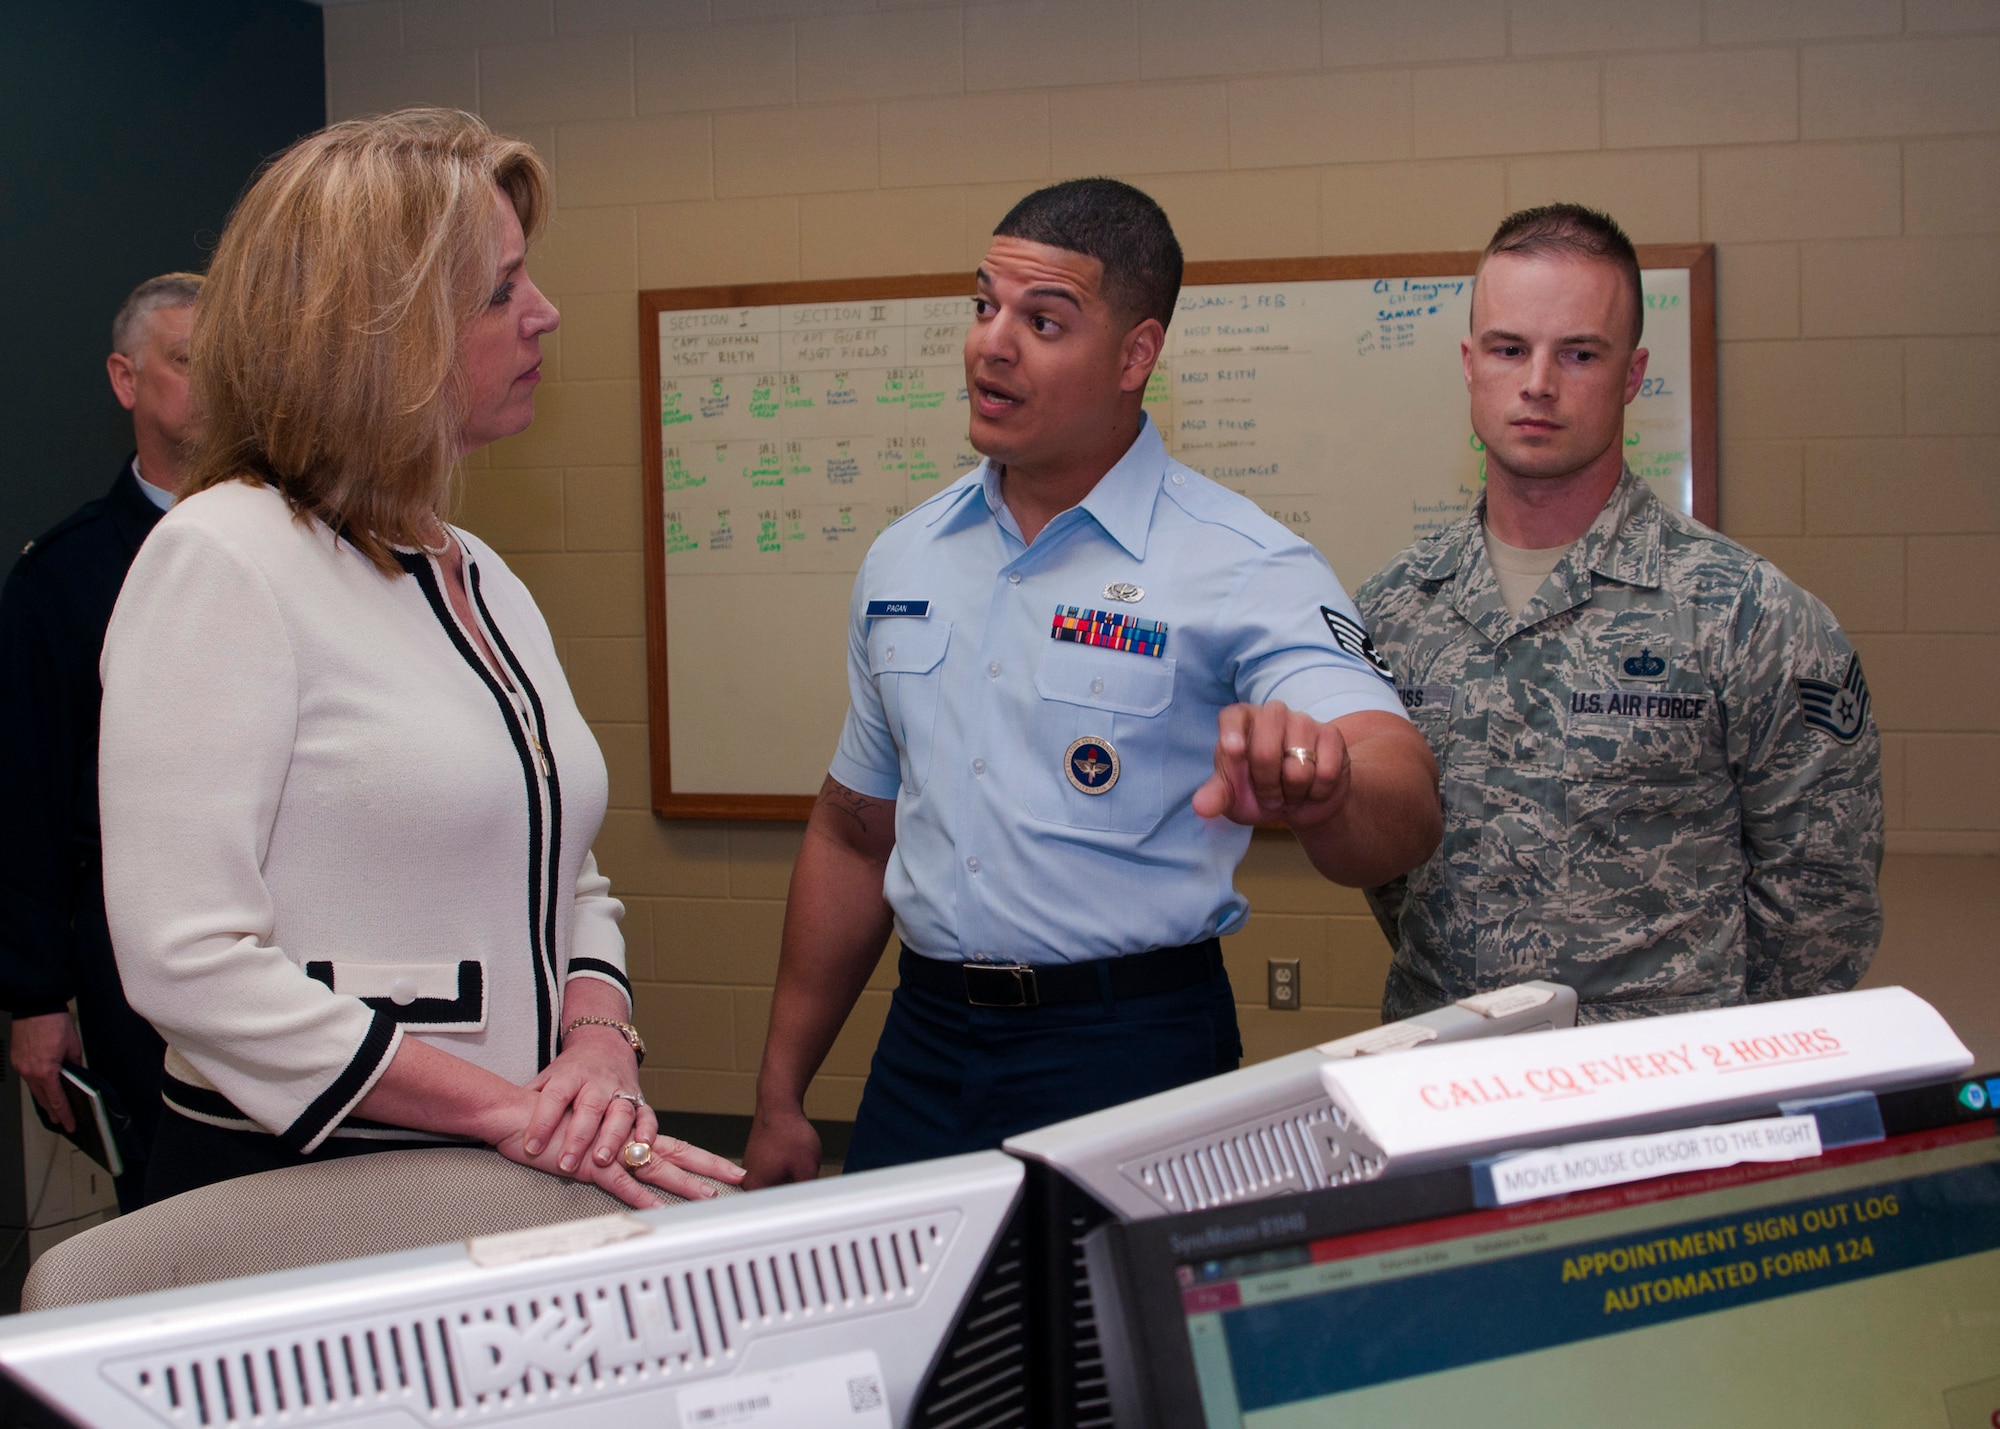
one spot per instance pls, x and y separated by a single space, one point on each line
1349 635
1092 765
1841 710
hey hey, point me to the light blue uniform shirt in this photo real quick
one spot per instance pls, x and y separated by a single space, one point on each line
965 715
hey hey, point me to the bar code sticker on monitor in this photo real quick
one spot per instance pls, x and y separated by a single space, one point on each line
842 1390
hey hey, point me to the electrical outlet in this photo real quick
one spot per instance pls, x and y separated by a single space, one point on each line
1282 975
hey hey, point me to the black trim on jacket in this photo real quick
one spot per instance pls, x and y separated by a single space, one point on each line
553 855
468 1009
538 880
207 1104
598 965
326 1108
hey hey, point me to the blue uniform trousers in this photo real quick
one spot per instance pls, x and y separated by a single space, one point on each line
949 1078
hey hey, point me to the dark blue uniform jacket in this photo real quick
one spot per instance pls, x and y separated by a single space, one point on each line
53 940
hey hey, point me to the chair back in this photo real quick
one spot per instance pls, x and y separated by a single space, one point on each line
310 1215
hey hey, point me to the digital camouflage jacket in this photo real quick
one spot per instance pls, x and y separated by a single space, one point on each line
1661 782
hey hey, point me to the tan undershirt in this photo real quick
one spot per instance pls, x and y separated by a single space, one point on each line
1521 572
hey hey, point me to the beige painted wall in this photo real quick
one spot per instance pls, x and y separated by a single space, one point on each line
1844 154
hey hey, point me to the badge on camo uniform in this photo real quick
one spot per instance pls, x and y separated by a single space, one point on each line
1092 765
1841 710
1645 665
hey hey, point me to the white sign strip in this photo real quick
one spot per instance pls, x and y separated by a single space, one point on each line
1389 1037
1587 1165
1506 1001
563 1238
838 1392
1467 1099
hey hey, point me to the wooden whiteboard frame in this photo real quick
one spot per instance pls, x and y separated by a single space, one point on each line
1697 258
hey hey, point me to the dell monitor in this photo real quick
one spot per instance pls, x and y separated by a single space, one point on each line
884 1300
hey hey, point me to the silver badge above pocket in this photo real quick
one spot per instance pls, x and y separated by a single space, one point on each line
1125 591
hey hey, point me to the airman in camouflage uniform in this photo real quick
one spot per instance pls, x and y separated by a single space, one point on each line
1661 780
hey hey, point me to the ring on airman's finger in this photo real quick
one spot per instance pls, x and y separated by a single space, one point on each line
632 1097
637 1155
1303 755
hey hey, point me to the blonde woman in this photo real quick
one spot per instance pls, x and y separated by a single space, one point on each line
348 799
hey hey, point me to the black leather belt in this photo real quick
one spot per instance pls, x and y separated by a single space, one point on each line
1025 985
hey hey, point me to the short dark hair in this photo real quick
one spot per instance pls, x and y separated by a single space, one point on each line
1573 231
1119 226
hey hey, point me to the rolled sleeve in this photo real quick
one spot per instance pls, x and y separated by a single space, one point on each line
1290 609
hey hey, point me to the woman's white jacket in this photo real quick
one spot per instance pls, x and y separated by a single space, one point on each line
329 824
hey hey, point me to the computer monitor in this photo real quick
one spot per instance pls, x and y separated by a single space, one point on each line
1859 1289
889 1298
1264 1131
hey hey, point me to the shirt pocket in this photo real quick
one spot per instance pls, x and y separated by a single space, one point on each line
423 997
1613 749
1116 698
906 662
1641 830
1630 783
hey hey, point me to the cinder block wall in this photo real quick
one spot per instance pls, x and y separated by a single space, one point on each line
1844 154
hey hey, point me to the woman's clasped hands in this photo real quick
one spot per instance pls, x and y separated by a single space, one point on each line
588 1122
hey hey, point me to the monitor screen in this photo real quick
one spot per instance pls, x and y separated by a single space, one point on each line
1861 1288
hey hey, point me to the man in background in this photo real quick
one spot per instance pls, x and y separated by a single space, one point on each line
54 946
1660 777
1077 677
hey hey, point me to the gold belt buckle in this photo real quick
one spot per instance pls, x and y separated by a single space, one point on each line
1000 985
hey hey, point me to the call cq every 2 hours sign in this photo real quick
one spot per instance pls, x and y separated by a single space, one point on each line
1458 1100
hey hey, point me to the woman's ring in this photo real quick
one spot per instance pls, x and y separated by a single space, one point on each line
1303 755
638 1155
632 1097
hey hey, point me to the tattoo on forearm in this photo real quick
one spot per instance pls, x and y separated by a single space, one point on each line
837 796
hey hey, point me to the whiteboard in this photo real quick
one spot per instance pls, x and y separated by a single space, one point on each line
793 422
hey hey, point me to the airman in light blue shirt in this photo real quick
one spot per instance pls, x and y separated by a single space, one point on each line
1077 678
964 708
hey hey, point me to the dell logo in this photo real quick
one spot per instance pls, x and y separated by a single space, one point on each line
494 1355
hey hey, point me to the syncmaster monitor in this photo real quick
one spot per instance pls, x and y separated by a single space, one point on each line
1264 1131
